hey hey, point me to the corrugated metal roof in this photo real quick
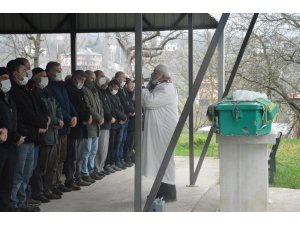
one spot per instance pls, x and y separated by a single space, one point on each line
98 22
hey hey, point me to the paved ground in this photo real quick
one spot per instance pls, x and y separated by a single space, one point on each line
115 193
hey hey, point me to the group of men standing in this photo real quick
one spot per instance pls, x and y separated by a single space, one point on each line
82 127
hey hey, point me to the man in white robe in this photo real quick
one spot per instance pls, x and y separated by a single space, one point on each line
160 105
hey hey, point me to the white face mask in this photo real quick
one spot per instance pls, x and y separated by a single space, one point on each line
102 81
58 77
29 74
79 85
114 92
5 86
123 84
24 81
44 82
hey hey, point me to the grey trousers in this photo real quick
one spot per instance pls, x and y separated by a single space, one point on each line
74 160
102 150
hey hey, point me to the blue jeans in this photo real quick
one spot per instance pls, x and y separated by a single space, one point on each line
35 161
36 156
22 174
121 142
90 148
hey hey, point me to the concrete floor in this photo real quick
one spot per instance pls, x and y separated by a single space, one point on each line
115 193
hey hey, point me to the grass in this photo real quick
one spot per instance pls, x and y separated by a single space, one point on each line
182 148
287 158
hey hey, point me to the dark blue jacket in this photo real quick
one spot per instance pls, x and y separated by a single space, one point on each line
58 90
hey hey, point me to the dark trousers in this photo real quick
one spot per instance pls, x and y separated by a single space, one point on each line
44 173
8 157
128 147
60 158
112 146
74 160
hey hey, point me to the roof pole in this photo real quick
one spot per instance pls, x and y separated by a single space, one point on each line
138 114
73 43
191 115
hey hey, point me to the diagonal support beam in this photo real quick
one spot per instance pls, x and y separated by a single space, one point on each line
179 19
147 22
32 26
186 110
240 55
228 86
59 26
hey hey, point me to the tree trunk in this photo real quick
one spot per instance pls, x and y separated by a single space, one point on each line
37 47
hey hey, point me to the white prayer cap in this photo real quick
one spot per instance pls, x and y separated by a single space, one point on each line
162 68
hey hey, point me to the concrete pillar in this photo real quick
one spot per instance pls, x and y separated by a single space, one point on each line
244 172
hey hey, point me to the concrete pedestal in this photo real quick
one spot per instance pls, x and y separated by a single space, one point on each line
244 172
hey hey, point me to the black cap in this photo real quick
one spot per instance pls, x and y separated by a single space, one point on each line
3 71
37 70
79 73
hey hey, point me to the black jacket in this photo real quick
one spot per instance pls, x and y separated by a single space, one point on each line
131 124
53 109
30 112
126 101
117 109
77 99
107 108
9 119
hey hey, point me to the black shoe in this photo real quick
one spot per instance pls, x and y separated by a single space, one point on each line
41 198
127 164
95 176
63 188
33 202
120 165
100 174
116 168
56 191
105 172
14 210
83 183
88 179
74 187
52 196
109 169
25 208
169 199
